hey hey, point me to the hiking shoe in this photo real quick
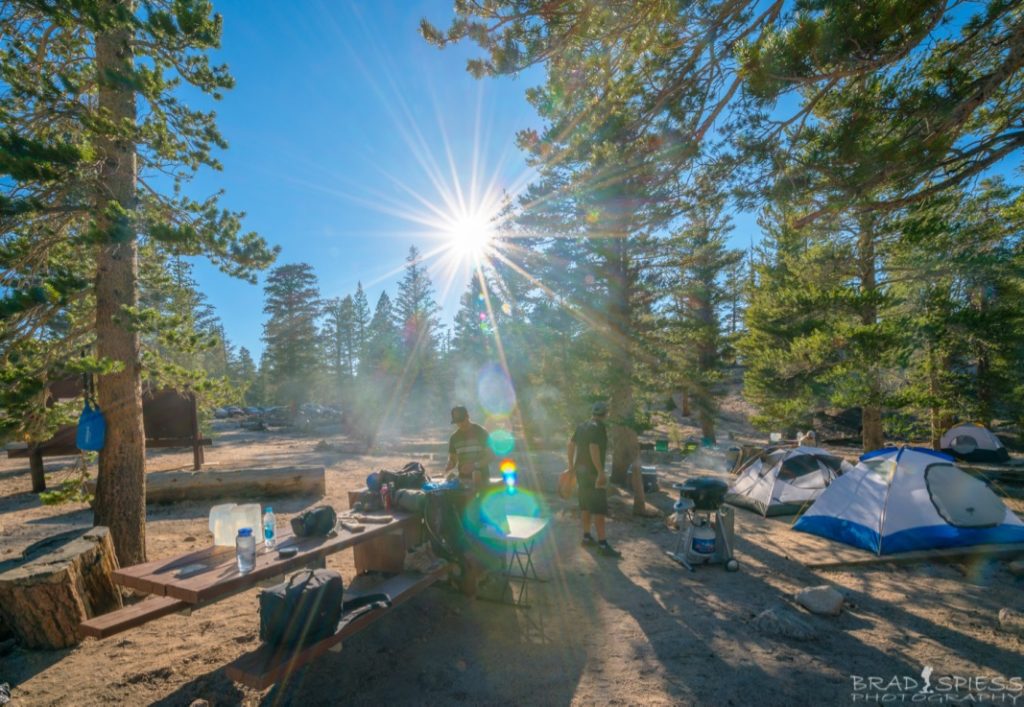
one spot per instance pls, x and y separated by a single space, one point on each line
588 540
607 550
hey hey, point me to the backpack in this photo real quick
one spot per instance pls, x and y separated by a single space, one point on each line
307 608
412 476
442 517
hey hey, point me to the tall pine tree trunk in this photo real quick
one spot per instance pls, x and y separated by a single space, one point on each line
623 438
121 485
872 436
707 355
934 410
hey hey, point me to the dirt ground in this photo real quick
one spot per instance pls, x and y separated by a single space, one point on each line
641 630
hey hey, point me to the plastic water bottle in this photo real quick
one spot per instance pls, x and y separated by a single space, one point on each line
245 550
269 528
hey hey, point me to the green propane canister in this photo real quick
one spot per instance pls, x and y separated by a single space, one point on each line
702 542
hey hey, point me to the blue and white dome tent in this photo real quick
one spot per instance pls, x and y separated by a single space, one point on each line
897 500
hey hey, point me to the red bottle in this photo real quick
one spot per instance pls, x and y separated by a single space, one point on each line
385 496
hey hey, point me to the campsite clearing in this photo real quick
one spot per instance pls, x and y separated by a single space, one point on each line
601 632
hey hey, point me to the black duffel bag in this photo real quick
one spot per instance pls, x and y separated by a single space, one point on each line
307 608
317 522
412 476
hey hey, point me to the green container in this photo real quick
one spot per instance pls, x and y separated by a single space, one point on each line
661 445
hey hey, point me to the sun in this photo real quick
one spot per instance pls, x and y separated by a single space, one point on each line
471 235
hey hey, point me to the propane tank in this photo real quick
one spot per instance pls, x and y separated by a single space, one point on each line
702 541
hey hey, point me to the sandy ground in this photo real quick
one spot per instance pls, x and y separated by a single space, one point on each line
638 631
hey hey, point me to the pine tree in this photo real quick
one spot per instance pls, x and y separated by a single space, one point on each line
72 204
694 331
417 311
340 344
382 340
290 333
244 375
361 320
417 314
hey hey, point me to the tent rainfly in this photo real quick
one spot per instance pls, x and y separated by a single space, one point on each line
785 481
973 443
898 500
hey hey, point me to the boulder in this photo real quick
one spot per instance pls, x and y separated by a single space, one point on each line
782 621
1017 567
823 600
1012 621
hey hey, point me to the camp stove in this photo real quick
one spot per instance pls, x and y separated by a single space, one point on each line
705 524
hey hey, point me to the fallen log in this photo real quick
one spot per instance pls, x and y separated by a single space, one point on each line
57 584
171 486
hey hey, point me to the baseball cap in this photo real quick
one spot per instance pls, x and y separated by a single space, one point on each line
599 409
459 414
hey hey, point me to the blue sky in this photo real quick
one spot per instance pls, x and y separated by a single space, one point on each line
340 129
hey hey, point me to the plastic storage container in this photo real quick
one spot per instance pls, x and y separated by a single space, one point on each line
221 524
227 518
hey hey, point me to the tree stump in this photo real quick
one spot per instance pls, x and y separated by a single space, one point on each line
56 584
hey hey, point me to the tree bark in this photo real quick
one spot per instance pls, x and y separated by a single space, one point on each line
35 465
121 483
872 435
620 325
56 585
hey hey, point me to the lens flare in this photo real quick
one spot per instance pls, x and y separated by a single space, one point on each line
501 442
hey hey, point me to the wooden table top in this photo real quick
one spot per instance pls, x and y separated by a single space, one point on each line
212 573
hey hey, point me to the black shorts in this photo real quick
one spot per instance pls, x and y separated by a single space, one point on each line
592 499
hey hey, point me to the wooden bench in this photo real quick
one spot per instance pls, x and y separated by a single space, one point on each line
147 610
267 665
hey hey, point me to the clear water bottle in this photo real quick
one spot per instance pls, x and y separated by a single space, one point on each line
245 550
269 528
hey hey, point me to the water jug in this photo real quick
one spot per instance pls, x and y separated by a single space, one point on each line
92 428
221 524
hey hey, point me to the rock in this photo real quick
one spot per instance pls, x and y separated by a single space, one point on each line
1011 620
199 703
822 600
190 538
783 621
1017 567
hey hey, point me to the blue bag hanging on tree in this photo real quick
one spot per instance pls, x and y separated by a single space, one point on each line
92 428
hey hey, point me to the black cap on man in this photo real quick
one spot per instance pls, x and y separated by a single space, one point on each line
459 414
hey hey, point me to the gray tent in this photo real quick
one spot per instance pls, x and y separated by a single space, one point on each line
785 481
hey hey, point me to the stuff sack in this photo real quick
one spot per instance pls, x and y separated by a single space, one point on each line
92 428
316 522
411 500
307 608
412 476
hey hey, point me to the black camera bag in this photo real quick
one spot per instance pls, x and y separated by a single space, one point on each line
307 608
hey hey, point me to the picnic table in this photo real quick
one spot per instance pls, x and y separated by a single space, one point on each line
203 577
